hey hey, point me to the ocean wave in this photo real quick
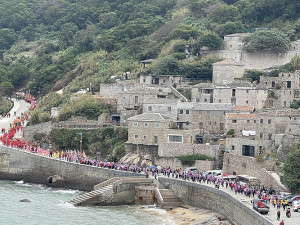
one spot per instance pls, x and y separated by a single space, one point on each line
66 205
67 191
19 182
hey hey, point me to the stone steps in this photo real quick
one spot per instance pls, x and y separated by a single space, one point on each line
89 195
170 200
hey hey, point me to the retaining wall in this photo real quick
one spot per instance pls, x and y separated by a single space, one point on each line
21 165
201 196
250 166
174 163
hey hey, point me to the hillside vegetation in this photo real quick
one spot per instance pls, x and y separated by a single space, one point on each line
49 45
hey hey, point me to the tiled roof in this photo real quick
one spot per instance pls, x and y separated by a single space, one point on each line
154 117
240 116
205 106
244 108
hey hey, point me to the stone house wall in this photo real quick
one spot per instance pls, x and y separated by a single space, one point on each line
239 124
168 109
227 72
249 165
203 93
41 128
110 90
179 149
174 163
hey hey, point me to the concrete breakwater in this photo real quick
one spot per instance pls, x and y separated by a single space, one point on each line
18 164
21 165
215 200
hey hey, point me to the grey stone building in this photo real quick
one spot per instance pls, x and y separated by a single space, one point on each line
282 90
165 106
134 98
204 116
169 80
225 72
155 129
240 122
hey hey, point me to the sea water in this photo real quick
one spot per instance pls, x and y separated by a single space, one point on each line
49 206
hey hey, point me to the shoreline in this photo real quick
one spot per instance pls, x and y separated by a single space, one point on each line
187 216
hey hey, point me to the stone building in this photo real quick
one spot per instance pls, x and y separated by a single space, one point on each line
165 106
225 72
282 90
168 80
134 98
202 93
155 129
204 116
271 126
240 122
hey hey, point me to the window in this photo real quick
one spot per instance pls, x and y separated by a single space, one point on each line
232 147
155 139
149 108
248 121
157 125
144 80
169 109
248 150
269 121
205 100
261 135
247 102
261 121
201 125
145 136
175 138
135 124
146 124
220 101
187 112
136 136
136 99
233 92
270 136
288 84
233 121
273 84
180 111
197 100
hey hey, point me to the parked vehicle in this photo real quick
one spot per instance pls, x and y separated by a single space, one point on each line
296 206
291 199
214 173
249 181
191 169
260 206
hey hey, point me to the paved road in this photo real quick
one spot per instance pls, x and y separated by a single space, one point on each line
19 107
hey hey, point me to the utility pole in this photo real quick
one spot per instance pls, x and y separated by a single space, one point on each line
80 142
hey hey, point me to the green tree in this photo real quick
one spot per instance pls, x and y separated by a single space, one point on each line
6 88
212 41
266 40
295 62
166 66
291 169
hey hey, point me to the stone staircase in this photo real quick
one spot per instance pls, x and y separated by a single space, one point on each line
170 200
102 193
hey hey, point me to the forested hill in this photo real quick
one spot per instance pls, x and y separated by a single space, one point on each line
49 45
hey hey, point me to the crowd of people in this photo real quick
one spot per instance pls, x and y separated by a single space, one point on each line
75 156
